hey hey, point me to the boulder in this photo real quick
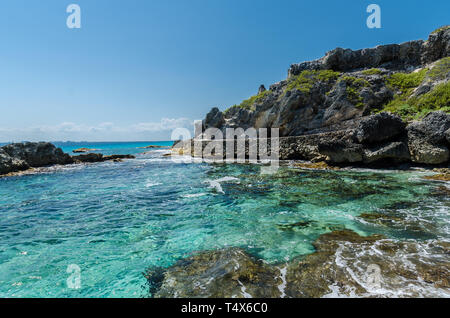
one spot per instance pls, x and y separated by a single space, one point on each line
432 128
447 135
426 153
395 151
427 139
90 157
37 154
261 89
341 151
9 164
379 127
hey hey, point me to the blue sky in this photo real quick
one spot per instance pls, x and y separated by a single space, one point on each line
139 68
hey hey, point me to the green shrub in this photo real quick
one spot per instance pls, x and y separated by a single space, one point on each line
354 86
305 80
416 107
372 71
406 81
249 104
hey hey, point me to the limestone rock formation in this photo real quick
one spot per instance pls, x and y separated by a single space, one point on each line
427 139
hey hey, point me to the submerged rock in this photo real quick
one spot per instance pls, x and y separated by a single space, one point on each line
220 274
344 264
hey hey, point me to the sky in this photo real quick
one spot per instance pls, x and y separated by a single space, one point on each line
138 69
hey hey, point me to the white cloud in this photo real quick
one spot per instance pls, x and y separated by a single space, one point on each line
106 131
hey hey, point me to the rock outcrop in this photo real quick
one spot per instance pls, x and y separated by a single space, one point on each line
37 154
22 156
380 139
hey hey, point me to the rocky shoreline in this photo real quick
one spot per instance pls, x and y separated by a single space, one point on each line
233 272
20 157
378 140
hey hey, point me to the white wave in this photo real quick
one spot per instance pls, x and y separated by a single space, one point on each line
215 184
152 184
194 195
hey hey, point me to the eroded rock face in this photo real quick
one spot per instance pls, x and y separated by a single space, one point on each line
379 127
427 139
341 151
395 151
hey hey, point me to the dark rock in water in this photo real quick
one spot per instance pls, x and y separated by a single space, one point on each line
90 157
10 164
22 156
379 127
220 274
155 278
118 157
98 157
37 154
81 150
396 151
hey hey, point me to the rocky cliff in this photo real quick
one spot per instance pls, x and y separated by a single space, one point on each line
336 91
385 104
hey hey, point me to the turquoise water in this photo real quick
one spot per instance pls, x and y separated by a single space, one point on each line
115 220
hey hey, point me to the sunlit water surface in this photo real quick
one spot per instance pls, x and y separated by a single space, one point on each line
114 220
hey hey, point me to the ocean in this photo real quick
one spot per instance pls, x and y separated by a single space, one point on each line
114 220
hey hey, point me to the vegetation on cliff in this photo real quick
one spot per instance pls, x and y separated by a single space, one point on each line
411 106
305 81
